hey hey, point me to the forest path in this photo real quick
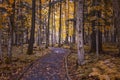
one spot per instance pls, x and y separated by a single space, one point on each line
49 67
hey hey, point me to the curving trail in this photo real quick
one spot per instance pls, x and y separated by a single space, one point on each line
49 67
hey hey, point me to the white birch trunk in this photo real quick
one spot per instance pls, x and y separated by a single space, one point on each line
79 26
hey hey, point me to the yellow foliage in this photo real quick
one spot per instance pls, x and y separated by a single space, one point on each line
107 27
67 47
5 15
94 74
11 1
0 27
9 11
102 29
105 70
43 1
71 31
104 77
28 1
96 70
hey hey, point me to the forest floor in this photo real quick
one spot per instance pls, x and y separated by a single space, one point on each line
106 67
20 61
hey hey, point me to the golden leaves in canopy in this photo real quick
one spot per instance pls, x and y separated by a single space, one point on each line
11 1
43 1
30 1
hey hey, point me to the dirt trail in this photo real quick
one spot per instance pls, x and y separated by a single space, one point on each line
49 67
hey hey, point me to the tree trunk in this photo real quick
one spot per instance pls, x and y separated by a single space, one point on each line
0 44
40 27
39 39
100 41
12 17
96 36
0 36
79 26
54 28
27 36
52 36
93 39
9 55
48 26
67 23
74 24
116 10
31 41
60 24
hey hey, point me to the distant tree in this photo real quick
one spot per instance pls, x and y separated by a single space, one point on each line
66 22
96 35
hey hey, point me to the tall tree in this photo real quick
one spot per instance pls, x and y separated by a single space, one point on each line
31 40
54 22
0 44
96 36
60 23
52 35
9 42
12 16
40 27
0 36
116 10
48 26
67 23
79 27
11 30
93 38
74 24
